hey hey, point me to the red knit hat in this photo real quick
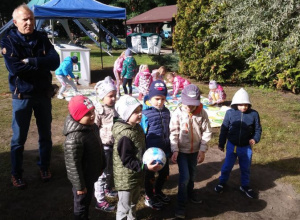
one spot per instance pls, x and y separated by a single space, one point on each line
79 106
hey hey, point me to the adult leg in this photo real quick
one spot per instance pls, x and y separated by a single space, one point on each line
21 115
42 112
228 163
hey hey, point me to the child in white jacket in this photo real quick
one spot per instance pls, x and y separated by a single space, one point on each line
189 133
105 114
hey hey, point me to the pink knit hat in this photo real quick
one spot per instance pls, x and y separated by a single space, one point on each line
79 106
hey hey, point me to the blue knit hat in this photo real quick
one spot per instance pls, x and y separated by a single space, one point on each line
158 87
74 59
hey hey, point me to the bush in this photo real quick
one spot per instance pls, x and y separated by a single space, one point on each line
251 41
170 61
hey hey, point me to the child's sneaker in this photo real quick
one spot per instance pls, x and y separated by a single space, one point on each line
194 198
219 188
248 191
111 194
59 96
18 182
163 198
153 203
105 206
179 213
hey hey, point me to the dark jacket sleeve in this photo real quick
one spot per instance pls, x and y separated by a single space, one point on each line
224 130
258 129
127 153
73 160
50 61
46 59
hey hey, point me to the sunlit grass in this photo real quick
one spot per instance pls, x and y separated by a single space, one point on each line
278 149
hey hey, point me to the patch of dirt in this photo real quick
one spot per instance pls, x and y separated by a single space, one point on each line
53 200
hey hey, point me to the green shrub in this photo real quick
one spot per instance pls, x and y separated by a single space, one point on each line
170 61
250 41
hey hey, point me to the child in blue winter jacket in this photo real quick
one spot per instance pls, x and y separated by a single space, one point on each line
241 128
155 123
65 75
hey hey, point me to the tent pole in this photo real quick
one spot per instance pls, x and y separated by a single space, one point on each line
100 44
126 34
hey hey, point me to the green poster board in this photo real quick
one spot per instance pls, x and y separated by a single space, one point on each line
76 67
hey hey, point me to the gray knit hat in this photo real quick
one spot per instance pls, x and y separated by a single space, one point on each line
126 106
104 87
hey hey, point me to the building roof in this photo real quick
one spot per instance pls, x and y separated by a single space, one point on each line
155 15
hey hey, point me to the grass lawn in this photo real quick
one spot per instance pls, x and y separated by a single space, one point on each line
280 118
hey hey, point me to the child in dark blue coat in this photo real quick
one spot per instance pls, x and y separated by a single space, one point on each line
241 128
155 123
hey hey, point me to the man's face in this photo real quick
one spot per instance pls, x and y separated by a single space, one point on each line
24 21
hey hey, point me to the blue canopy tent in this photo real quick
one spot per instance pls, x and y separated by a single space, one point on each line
78 9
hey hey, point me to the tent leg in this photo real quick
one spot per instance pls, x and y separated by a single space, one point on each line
100 46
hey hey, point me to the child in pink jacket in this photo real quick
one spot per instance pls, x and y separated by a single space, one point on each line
143 81
178 83
118 65
216 94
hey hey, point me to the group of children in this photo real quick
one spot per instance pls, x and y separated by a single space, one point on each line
105 143
125 69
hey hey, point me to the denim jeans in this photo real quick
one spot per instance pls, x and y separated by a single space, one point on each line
187 164
245 156
21 116
82 202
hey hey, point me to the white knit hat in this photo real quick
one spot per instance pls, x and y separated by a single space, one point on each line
241 97
104 87
212 84
126 106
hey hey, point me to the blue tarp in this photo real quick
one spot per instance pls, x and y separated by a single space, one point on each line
78 9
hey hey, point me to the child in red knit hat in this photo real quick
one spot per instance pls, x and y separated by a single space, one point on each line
84 155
